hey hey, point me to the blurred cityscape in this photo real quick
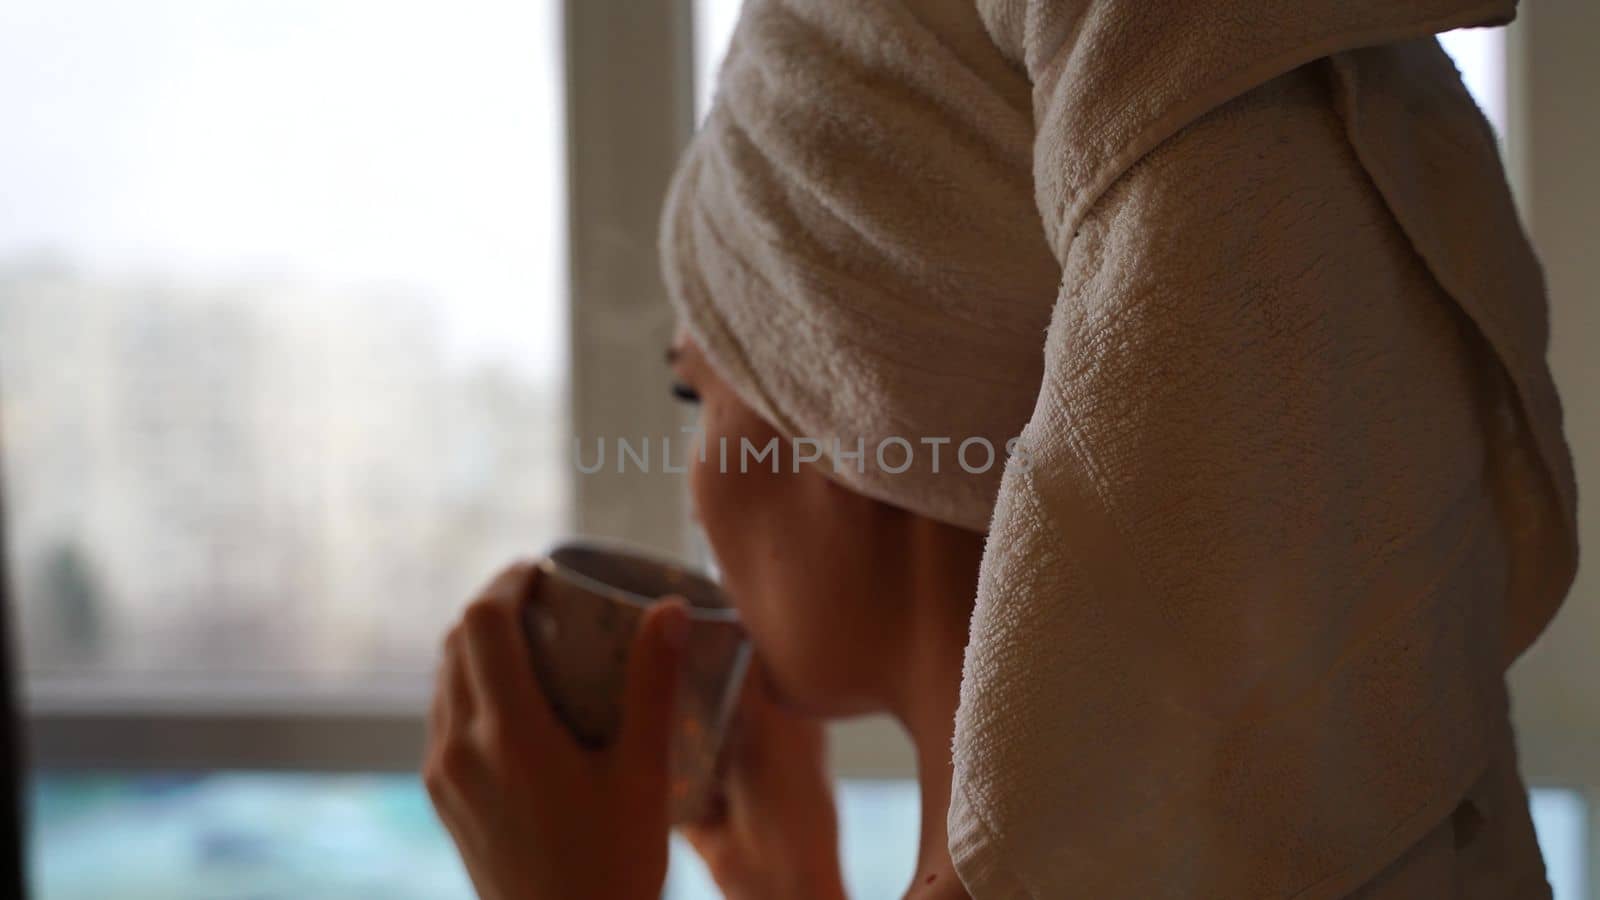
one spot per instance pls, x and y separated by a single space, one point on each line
256 477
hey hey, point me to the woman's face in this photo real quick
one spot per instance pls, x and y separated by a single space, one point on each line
818 572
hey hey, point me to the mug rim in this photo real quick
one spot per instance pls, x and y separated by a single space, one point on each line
553 567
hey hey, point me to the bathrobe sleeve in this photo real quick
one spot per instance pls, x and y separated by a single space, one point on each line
1251 509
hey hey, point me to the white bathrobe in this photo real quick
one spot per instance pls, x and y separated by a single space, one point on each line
1245 280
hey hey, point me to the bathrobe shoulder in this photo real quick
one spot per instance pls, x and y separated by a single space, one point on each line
1262 511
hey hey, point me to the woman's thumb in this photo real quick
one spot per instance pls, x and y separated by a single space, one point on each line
650 692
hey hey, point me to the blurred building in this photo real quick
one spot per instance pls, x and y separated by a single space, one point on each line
256 478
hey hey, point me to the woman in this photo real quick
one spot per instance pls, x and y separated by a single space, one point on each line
1236 296
865 614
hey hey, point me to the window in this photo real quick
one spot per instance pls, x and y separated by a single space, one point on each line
277 396
287 370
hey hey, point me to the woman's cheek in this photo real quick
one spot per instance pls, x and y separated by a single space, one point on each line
714 500
731 509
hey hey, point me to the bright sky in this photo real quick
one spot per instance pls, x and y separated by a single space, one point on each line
1480 55
416 144
713 26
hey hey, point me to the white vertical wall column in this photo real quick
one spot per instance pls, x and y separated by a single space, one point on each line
630 107
1554 148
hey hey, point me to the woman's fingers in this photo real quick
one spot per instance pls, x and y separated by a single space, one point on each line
452 696
498 660
448 764
438 706
650 691
531 813
513 585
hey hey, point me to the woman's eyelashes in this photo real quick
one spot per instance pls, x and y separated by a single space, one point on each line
684 393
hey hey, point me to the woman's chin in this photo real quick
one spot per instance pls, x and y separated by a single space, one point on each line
798 694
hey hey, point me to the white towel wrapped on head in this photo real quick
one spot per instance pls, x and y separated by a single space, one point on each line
1246 280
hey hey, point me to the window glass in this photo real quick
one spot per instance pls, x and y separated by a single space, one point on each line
713 27
190 836
1480 56
1561 817
282 327
177 836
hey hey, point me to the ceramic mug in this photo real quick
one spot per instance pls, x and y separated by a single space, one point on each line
581 623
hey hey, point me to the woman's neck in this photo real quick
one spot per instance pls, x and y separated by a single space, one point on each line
928 691
931 729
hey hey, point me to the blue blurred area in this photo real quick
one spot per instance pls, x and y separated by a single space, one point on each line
878 836
276 836
238 835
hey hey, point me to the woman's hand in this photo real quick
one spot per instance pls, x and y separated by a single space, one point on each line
776 835
534 815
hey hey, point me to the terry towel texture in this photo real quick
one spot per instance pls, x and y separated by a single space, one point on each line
1246 280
